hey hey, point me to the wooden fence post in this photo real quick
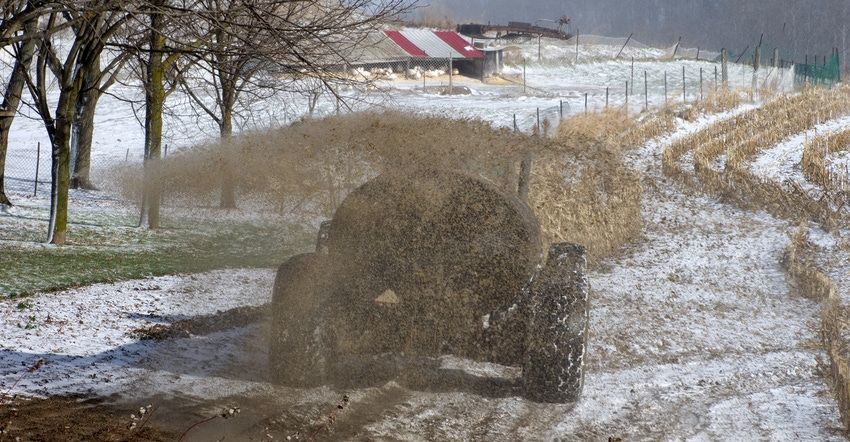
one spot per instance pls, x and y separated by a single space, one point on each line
523 76
538 121
756 64
577 32
624 46
524 176
451 75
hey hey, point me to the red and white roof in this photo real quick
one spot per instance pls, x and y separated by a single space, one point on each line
420 43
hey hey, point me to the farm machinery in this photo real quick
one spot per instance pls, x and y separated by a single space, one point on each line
517 29
420 264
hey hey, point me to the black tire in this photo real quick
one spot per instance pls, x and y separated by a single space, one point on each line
553 367
296 350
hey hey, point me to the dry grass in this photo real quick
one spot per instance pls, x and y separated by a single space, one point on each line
596 126
313 164
581 189
598 203
650 126
723 151
811 282
759 129
836 321
718 100
585 194
617 127
815 164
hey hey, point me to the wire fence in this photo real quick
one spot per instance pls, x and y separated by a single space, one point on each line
640 86
28 169
590 48
768 70
683 76
564 74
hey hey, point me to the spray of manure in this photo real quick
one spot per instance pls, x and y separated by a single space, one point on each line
580 189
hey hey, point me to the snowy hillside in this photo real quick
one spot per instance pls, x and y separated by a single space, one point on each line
696 332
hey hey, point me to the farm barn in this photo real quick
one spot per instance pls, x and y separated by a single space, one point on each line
417 53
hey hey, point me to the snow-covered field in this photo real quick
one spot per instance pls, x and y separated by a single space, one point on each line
695 332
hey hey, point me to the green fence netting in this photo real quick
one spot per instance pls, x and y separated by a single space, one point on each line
826 73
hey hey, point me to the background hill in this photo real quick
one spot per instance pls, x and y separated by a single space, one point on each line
798 28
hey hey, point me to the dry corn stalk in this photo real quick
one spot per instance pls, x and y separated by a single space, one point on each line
816 166
835 317
722 152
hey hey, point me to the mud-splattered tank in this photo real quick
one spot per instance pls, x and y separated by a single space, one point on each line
426 263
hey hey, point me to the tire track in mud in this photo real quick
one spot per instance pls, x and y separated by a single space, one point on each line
368 409
694 333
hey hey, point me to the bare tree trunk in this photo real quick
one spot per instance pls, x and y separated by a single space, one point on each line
5 124
92 89
12 99
228 181
228 100
154 102
61 169
84 127
59 131
59 127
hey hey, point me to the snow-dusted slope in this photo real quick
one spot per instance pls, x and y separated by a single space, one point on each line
695 333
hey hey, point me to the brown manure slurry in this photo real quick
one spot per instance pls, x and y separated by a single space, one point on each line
695 330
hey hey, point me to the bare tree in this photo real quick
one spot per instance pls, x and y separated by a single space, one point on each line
18 35
92 24
19 20
235 38
167 27
255 48
155 94
228 64
95 83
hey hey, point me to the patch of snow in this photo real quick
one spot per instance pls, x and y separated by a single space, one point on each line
781 162
694 331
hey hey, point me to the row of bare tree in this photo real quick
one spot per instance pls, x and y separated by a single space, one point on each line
67 53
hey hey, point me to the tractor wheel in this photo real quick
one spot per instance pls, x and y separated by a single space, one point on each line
553 367
296 351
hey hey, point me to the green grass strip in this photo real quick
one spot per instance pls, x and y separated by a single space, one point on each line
100 251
